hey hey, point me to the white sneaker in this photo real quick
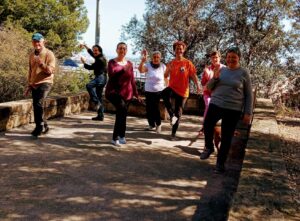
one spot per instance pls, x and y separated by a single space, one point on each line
158 129
122 140
150 128
115 143
173 120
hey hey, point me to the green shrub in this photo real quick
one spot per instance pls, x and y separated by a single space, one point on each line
15 46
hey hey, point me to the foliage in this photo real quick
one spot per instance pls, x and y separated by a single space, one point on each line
256 26
14 50
70 82
13 62
61 21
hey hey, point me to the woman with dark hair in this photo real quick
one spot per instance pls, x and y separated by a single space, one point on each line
96 85
231 98
120 90
178 74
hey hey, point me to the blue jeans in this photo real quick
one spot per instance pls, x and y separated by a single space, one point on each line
95 89
38 96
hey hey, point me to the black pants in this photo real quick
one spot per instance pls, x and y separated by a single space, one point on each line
152 108
167 94
38 96
229 121
121 114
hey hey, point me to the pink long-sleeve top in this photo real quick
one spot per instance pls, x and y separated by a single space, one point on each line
121 80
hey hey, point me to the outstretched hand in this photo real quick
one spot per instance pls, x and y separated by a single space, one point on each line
144 54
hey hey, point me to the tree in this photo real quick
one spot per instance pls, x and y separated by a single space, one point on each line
256 26
61 21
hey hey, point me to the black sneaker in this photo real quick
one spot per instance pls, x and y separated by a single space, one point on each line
206 153
98 118
37 131
220 168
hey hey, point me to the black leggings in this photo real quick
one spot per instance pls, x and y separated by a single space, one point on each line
167 94
152 108
229 121
121 114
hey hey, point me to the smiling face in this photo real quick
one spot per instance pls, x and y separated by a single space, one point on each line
96 51
179 50
38 45
156 58
121 50
232 60
215 59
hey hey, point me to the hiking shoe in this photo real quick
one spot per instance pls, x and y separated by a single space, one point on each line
122 140
158 129
206 153
220 168
173 120
115 143
97 118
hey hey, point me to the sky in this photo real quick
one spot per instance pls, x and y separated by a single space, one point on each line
113 14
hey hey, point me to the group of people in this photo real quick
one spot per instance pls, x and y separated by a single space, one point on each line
227 90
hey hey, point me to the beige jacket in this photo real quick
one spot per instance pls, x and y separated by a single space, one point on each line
41 73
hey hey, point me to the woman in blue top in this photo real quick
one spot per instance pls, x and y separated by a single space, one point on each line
231 98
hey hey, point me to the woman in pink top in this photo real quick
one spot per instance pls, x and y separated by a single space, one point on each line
120 90
215 58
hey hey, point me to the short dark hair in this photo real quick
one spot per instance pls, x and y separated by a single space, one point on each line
214 52
121 43
235 50
177 43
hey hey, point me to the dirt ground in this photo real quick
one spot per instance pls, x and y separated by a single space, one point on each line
289 130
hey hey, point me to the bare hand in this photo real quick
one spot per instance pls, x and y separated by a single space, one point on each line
83 60
27 91
247 119
144 55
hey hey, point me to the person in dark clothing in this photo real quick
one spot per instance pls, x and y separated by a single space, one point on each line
96 85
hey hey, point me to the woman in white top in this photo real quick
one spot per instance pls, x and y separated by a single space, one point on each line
154 84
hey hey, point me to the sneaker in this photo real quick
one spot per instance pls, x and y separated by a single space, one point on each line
98 118
115 143
220 168
173 120
206 153
173 137
158 129
122 140
150 128
46 129
37 131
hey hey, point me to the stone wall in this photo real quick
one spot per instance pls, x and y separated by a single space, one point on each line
17 113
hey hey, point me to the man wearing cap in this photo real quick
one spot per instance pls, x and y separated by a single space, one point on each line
40 79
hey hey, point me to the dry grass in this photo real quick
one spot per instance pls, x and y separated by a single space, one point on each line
289 130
